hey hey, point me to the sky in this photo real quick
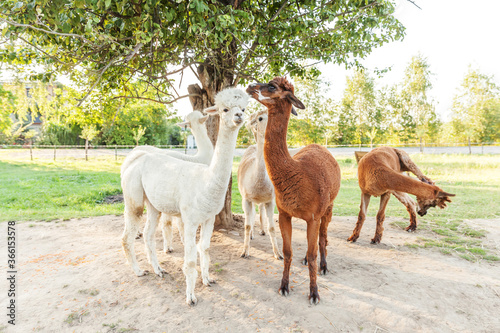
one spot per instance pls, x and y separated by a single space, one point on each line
451 34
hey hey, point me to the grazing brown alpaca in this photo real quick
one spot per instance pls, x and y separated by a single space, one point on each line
305 184
380 174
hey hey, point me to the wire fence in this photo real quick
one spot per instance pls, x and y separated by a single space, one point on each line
79 151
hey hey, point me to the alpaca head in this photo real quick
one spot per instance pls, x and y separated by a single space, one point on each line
194 119
230 105
277 90
440 199
257 124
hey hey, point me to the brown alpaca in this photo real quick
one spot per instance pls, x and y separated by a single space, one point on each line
305 184
380 174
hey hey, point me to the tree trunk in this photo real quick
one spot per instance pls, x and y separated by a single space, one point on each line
86 149
468 141
421 146
225 218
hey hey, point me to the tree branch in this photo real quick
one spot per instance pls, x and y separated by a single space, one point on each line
157 101
45 31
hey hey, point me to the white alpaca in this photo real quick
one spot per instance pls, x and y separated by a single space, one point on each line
196 121
193 191
255 186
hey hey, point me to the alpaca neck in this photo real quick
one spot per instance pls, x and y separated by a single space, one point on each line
260 150
413 186
222 162
277 157
205 146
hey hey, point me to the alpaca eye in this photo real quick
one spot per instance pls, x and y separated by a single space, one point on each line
242 110
225 110
260 118
271 88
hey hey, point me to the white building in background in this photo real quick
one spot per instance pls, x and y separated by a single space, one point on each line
191 142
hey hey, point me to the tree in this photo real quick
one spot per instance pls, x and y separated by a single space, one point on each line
138 134
416 104
358 106
88 133
318 118
223 42
476 108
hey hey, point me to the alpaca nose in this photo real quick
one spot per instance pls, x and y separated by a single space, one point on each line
238 117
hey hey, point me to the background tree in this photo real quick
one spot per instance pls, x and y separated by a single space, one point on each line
89 132
476 109
358 112
417 107
138 134
115 43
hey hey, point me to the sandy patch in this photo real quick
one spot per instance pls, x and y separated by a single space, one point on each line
73 277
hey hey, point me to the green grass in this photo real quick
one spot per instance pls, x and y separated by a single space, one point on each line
69 188
47 190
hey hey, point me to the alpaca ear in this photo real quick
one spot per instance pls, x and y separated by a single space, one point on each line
184 124
295 101
442 194
211 110
203 119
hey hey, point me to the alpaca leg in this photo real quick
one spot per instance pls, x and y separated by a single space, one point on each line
312 254
262 215
206 232
149 239
180 227
189 267
285 222
132 223
384 199
166 230
249 209
411 207
271 228
323 239
363 207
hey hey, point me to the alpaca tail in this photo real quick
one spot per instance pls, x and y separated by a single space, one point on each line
131 157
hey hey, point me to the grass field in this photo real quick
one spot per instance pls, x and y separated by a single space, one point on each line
68 188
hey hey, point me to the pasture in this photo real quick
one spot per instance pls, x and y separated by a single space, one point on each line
73 275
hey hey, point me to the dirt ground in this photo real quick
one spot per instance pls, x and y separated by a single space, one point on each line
73 277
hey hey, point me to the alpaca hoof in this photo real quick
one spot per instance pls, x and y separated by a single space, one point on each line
323 271
139 235
245 254
314 299
208 282
278 256
168 249
304 262
283 291
191 300
352 239
411 228
375 240
141 273
160 272
262 232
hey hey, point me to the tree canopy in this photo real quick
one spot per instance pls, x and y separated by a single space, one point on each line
110 44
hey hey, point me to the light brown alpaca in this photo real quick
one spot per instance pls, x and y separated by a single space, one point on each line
380 173
255 187
305 184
